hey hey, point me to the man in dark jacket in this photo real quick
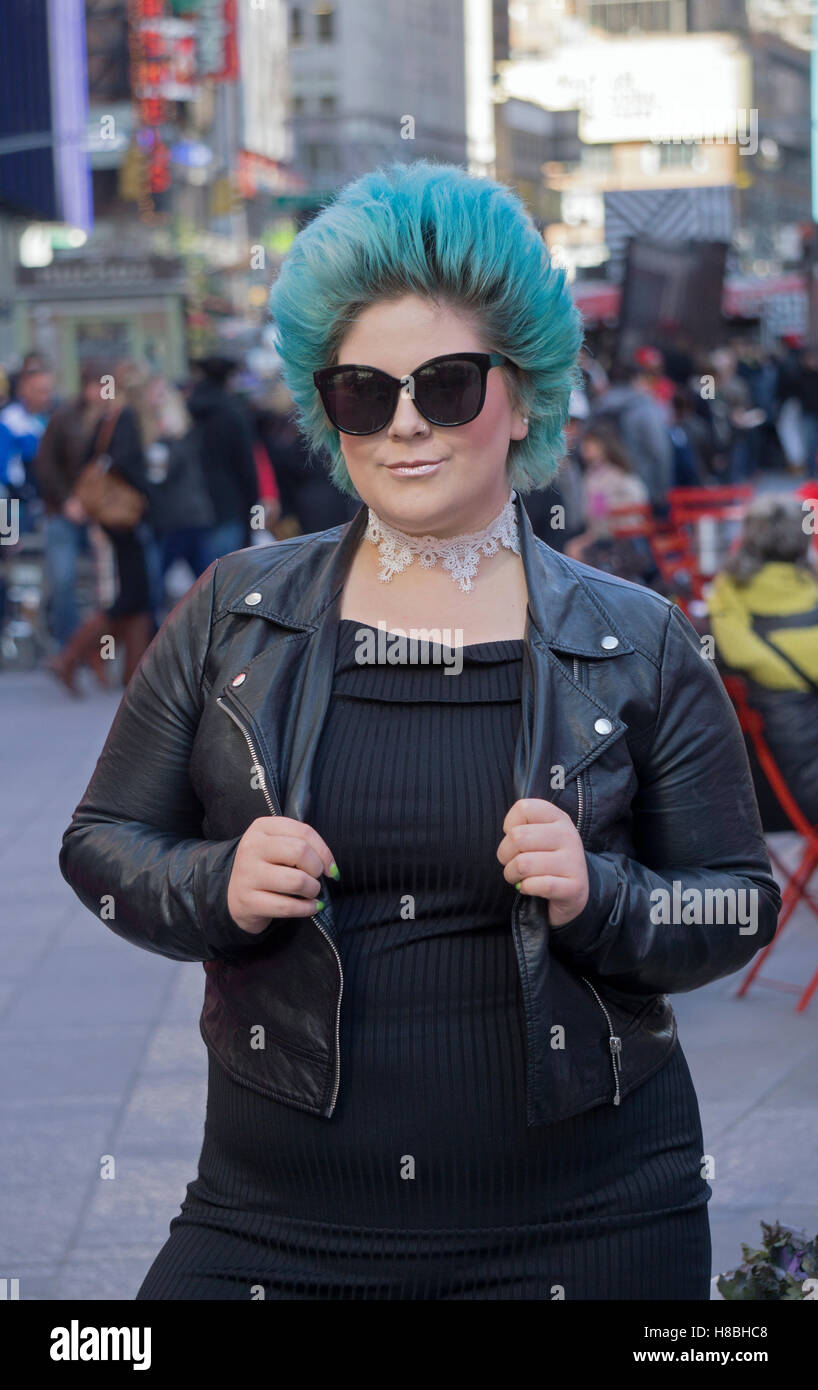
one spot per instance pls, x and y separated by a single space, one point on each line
640 423
59 461
224 440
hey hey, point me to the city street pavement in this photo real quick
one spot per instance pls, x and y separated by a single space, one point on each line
101 1053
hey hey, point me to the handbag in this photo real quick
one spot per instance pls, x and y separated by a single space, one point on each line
796 668
105 496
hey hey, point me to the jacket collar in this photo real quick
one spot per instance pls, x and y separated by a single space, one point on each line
564 725
562 612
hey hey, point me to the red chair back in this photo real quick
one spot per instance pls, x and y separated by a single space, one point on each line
692 503
633 519
752 724
794 882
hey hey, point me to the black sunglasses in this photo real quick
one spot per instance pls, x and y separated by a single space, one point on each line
448 390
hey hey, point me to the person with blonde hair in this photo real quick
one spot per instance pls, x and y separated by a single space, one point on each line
118 436
764 616
182 513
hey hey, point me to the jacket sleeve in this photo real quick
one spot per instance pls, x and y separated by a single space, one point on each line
133 852
695 827
51 484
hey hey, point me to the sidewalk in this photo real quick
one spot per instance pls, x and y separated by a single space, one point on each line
101 1053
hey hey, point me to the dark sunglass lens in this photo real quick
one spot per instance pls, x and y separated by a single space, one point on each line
449 392
358 400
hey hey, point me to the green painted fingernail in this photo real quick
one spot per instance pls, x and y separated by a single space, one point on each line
517 886
334 871
319 905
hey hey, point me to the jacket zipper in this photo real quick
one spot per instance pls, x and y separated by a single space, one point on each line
614 1042
258 766
580 798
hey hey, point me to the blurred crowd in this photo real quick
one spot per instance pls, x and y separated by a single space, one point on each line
207 466
679 419
202 468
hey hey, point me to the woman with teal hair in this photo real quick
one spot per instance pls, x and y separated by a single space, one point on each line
422 794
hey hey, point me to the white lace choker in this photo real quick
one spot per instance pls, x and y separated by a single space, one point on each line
460 554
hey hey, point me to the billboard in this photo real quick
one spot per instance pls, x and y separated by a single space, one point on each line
664 87
671 290
44 167
264 83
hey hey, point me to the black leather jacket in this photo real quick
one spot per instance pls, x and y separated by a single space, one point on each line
625 726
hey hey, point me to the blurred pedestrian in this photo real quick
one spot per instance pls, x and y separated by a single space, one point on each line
305 491
22 425
224 439
744 418
629 406
59 460
805 390
182 513
557 512
687 433
117 442
764 616
652 365
610 481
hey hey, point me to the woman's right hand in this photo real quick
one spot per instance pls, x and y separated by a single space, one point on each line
275 872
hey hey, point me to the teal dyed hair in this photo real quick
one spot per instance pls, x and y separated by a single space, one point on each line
437 231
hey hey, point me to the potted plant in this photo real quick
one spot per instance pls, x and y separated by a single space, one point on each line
777 1269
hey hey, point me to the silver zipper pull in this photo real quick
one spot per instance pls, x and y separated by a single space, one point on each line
615 1044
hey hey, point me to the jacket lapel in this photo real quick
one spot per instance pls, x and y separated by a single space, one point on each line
285 692
561 726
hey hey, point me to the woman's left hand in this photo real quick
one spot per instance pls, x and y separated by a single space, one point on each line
543 853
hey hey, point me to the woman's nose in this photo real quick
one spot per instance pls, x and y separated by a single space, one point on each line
407 420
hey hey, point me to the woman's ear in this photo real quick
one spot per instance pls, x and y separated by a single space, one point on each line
519 424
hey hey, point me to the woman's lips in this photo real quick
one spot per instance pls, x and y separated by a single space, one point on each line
414 470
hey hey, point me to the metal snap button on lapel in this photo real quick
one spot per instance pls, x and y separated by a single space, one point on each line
609 642
239 680
603 726
252 599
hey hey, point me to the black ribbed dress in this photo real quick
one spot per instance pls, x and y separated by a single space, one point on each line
426 1182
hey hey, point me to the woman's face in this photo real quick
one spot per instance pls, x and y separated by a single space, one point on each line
468 485
592 450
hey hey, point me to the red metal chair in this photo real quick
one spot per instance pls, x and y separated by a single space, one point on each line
724 502
622 523
706 514
795 883
669 546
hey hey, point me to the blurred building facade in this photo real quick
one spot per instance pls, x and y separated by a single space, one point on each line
693 122
206 132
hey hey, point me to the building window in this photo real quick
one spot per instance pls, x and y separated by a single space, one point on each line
298 105
635 16
296 25
325 23
597 159
676 155
327 105
322 158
